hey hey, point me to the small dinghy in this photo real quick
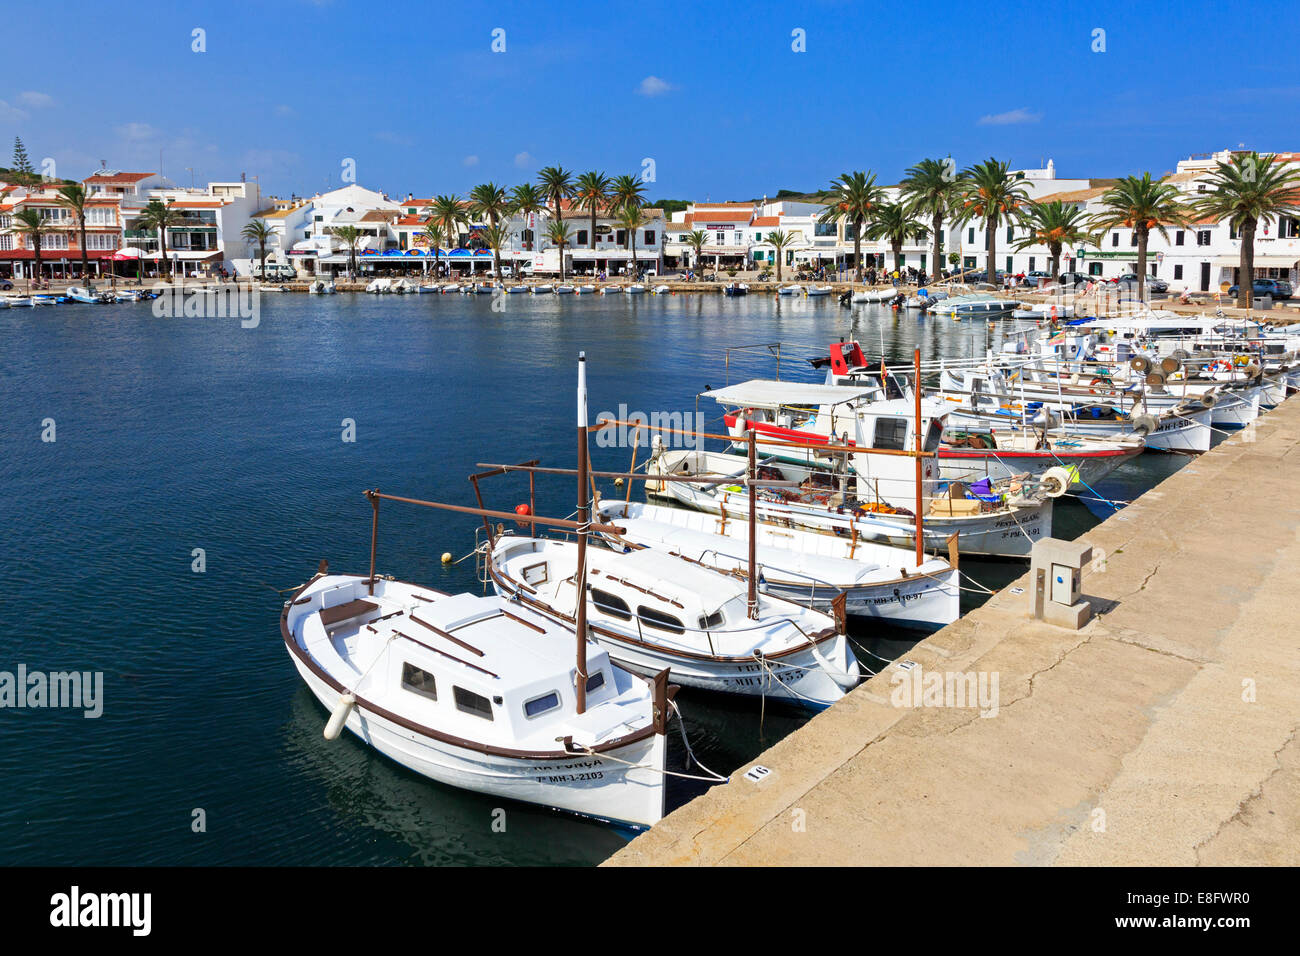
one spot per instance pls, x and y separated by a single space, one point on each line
586 290
874 295
635 289
662 290
517 290
564 290
735 288
20 301
543 289
380 286
790 290
449 287
819 290
611 290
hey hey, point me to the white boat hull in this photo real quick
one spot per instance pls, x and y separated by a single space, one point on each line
591 785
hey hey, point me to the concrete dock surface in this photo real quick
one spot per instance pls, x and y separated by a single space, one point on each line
1162 733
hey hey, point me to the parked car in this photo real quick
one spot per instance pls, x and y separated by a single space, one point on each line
1036 277
5 285
1072 280
1277 288
1153 284
274 270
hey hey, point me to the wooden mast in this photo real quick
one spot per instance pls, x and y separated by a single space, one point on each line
753 526
580 578
916 391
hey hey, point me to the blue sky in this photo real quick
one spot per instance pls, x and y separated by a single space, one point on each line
714 94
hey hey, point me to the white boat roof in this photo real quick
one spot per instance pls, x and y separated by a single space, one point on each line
770 393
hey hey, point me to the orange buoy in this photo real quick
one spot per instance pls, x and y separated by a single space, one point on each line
523 510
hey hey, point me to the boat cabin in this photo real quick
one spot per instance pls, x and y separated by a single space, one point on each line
890 426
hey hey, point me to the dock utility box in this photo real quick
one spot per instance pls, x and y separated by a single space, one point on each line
1055 574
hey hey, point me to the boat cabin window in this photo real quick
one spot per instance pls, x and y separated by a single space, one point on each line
658 619
934 437
595 681
541 705
891 433
471 703
418 681
611 604
713 620
535 574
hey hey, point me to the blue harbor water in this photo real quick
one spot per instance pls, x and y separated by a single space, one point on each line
188 433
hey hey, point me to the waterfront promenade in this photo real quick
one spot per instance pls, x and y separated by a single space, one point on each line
1163 733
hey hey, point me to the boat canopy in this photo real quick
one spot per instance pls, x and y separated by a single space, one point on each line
767 393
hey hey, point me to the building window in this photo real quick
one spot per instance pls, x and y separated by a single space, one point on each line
100 241
1133 238
582 237
54 241
6 243
419 681
970 236
649 237
1203 237
1094 268
468 702
1031 263
1011 233
622 237
1114 238
1178 272
1178 238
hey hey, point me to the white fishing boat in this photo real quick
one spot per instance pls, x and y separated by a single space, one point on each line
478 693
1184 429
586 290
380 286
611 290
879 581
790 290
321 287
564 290
866 506
484 288
1044 310
662 290
19 301
817 291
517 290
449 288
543 289
874 295
650 610
975 305
635 290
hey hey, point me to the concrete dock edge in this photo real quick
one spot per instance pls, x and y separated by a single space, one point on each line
1162 733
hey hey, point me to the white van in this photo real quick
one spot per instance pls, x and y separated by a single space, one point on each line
275 270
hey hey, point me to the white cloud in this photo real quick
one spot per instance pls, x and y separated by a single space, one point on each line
653 86
136 131
470 161
35 100
1010 118
11 113
524 160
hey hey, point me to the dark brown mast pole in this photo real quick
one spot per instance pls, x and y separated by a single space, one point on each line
374 535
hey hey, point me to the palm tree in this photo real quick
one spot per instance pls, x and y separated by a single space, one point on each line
854 196
779 240
450 214
697 240
990 193
557 232
631 218
556 184
489 202
893 223
74 198
433 235
1054 225
626 191
528 200
496 237
931 188
259 232
30 223
1142 204
592 190
160 216
1245 191
350 235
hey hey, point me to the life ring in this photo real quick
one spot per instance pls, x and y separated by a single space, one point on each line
1096 381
